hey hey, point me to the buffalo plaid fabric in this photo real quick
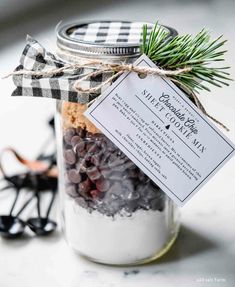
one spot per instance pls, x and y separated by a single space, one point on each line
110 32
60 86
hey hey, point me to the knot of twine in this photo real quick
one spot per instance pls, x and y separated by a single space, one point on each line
119 69
100 67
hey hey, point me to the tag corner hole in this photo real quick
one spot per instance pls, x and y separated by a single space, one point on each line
142 76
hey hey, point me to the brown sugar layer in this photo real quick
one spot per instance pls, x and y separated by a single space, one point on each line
72 116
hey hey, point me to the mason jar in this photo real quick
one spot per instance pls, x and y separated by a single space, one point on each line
112 212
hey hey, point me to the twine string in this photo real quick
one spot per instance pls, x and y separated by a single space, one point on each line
100 67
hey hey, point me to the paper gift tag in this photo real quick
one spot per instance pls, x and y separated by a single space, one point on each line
162 132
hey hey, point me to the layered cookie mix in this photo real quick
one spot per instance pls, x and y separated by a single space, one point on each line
111 207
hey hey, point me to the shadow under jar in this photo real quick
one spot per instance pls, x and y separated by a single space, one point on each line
112 212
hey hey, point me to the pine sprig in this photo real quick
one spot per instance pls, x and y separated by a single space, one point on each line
200 53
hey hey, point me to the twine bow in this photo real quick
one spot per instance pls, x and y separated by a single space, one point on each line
116 69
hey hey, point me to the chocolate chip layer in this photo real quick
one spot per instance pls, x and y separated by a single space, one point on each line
100 177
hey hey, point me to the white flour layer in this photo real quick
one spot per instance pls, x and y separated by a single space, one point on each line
118 239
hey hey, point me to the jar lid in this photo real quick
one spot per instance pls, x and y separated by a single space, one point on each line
104 38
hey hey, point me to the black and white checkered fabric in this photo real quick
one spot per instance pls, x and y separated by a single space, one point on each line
110 32
60 86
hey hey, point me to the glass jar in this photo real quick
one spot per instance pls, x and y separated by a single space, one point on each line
112 212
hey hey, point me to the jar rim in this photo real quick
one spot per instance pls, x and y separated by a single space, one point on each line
95 49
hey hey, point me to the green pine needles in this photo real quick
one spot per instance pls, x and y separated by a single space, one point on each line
200 53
